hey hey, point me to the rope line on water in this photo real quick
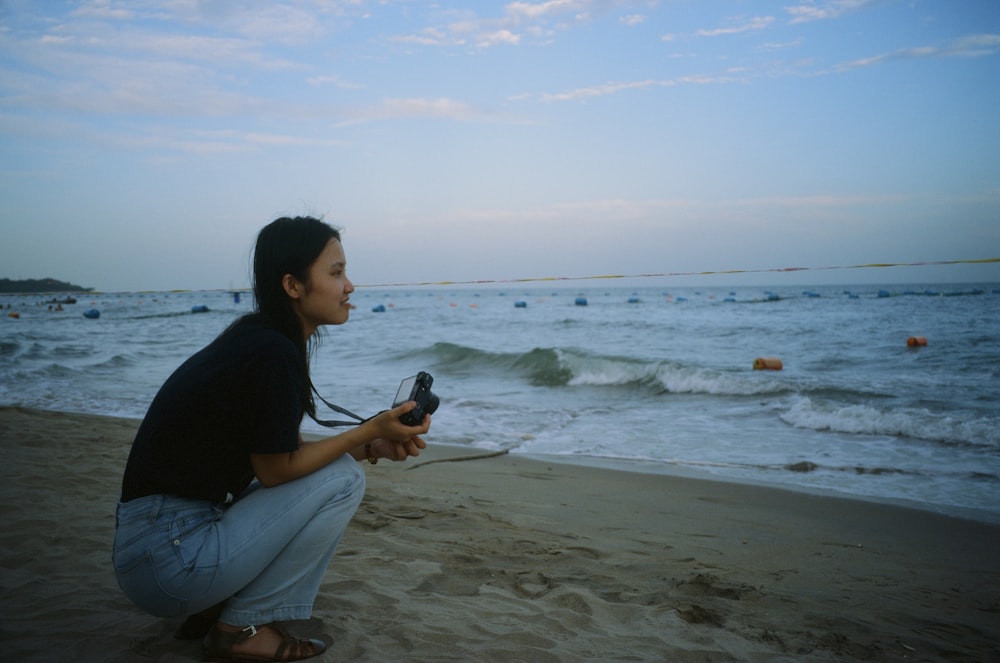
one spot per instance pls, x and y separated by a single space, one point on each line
873 265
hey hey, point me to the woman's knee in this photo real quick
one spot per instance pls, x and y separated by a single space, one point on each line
356 478
341 480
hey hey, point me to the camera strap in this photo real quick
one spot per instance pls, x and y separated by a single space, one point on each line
336 408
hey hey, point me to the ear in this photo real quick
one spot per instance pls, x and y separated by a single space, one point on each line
291 286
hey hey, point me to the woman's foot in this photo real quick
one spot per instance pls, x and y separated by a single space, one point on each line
272 642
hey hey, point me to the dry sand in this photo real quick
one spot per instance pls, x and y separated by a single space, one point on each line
515 559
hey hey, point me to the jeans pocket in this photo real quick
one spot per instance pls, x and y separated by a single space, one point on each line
189 531
139 580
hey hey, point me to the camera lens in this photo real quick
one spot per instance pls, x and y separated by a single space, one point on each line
432 403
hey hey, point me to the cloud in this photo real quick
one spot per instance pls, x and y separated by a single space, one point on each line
812 12
534 10
625 86
279 22
288 22
518 21
242 141
441 108
68 45
427 37
604 90
102 9
499 37
337 81
974 46
156 140
632 19
969 46
777 46
81 81
211 50
755 23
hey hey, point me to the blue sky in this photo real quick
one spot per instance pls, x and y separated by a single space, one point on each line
145 143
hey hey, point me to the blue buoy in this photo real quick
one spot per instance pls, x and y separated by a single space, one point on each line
581 301
520 304
379 309
92 314
199 308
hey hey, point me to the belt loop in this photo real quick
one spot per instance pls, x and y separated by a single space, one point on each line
155 508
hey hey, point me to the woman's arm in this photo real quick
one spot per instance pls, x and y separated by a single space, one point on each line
388 436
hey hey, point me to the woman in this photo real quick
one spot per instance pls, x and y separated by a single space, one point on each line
224 509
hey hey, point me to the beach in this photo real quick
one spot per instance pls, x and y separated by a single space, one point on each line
459 557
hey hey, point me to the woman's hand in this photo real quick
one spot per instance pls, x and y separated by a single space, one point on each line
397 450
395 440
388 426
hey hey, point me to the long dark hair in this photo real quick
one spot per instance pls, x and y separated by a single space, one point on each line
288 246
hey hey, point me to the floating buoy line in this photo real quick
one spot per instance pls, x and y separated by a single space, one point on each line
873 265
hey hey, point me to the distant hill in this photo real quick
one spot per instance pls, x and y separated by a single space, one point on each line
39 285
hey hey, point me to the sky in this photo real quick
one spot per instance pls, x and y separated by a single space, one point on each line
144 144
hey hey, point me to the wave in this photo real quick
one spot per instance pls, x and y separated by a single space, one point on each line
562 367
866 419
113 364
803 404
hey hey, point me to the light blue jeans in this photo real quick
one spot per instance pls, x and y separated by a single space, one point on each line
265 554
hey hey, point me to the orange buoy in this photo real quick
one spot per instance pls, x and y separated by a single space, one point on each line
767 364
916 342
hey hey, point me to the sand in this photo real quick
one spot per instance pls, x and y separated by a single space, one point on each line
515 559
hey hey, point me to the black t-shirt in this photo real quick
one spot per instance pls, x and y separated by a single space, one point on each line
237 396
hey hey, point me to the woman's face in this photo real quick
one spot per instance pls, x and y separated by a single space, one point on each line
325 299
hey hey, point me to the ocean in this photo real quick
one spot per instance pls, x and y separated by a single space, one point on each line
647 378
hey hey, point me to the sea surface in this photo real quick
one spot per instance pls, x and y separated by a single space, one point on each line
648 378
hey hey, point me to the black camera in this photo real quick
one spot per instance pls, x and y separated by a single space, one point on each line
417 388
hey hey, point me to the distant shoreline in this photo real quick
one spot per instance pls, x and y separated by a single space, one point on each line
38 286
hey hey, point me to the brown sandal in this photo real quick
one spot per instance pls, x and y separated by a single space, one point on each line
218 646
